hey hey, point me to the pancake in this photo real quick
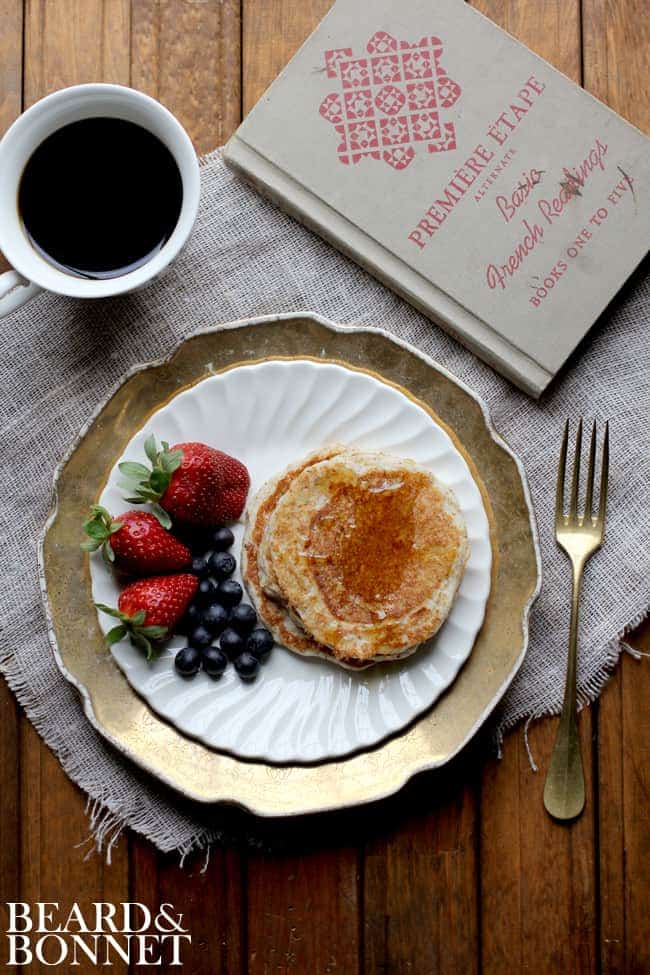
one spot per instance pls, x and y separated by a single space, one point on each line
256 572
367 552
259 577
403 625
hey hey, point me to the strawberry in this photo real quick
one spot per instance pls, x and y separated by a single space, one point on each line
135 541
192 482
150 609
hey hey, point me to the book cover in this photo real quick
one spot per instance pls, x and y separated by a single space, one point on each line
469 175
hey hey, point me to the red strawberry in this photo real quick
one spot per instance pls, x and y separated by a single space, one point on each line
135 541
192 482
163 598
150 609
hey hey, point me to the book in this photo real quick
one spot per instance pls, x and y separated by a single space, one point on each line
469 175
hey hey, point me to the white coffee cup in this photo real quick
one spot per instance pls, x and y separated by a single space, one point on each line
32 272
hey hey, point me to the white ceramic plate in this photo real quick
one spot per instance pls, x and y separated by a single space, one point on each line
269 415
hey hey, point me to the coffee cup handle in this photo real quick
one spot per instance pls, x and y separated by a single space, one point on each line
15 290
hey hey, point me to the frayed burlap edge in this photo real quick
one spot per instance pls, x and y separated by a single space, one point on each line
587 695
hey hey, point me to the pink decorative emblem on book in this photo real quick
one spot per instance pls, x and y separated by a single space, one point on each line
388 104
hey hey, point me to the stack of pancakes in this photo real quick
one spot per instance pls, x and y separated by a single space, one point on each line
354 556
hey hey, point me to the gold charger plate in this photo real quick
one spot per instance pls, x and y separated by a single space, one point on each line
210 776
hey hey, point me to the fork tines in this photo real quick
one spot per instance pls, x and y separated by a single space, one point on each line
573 516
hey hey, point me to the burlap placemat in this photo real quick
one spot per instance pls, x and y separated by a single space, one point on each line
61 358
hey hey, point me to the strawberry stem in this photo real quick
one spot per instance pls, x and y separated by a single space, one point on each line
142 637
99 528
148 485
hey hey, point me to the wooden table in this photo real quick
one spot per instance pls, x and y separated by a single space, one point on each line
463 871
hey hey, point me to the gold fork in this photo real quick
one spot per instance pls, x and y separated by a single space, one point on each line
580 536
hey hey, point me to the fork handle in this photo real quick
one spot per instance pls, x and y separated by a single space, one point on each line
564 791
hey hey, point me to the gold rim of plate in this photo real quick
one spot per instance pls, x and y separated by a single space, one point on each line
191 768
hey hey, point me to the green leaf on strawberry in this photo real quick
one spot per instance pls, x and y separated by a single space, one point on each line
142 637
130 469
99 528
151 449
161 515
148 486
116 634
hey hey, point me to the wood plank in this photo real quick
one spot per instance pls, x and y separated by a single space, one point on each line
550 29
210 900
624 786
11 68
272 33
11 77
11 73
303 905
538 879
188 55
10 792
420 900
635 691
616 39
66 42
72 42
612 865
55 860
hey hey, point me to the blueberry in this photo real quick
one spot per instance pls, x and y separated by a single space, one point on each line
260 643
222 565
193 537
222 539
199 566
247 665
194 613
188 661
206 592
214 661
231 642
229 592
242 618
191 619
215 617
201 637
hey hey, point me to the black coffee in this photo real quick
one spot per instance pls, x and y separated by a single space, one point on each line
100 197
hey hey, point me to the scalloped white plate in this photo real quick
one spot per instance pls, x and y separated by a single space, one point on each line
269 415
